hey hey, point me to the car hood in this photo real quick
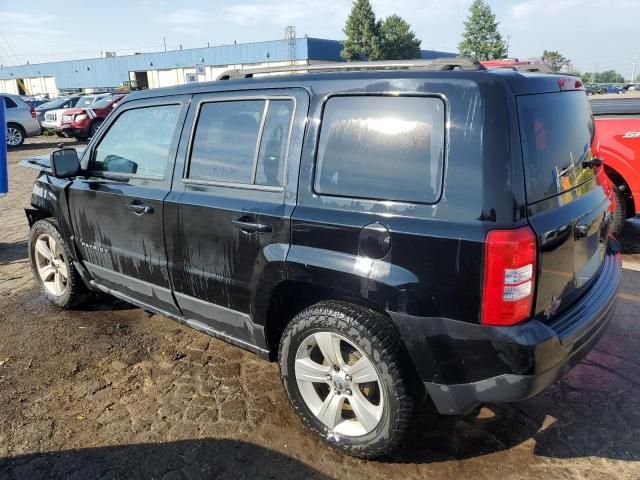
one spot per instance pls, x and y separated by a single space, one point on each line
43 162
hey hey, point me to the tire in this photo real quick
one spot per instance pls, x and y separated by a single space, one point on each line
15 135
61 135
387 401
94 128
65 293
620 214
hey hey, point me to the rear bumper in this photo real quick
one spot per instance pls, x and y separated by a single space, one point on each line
464 365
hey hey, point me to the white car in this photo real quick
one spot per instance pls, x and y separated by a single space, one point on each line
53 118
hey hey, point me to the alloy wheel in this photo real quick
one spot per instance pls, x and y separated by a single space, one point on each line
51 264
14 136
339 384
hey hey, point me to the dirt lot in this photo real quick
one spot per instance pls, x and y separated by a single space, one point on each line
108 391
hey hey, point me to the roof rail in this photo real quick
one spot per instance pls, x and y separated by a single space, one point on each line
452 63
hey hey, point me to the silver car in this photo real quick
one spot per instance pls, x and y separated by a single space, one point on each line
21 120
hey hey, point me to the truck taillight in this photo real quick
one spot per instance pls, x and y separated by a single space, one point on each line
34 114
509 276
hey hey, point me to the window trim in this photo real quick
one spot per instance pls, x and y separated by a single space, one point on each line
119 176
248 186
393 94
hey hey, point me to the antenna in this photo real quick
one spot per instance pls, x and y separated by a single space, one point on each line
290 44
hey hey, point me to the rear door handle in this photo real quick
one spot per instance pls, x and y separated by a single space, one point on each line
140 208
249 226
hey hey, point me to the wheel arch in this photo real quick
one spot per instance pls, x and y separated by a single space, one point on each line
623 185
290 297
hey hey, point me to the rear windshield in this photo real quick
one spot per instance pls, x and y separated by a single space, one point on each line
557 131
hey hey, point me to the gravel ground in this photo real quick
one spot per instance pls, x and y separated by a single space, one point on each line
108 391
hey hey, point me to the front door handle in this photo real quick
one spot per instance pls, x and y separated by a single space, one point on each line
248 226
140 208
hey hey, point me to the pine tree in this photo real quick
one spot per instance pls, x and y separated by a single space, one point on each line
362 33
397 39
481 39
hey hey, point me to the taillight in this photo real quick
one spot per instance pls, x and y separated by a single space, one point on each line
34 114
509 276
570 84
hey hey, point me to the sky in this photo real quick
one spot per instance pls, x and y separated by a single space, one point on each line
592 33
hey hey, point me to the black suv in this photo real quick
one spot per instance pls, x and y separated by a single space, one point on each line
387 234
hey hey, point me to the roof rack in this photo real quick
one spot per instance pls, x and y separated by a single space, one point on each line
453 63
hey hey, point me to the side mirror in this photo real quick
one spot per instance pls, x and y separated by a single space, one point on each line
65 163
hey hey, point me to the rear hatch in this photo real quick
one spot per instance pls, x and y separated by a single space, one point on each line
567 206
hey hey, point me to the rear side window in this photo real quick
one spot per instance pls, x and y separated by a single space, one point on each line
384 148
10 103
138 142
557 131
242 142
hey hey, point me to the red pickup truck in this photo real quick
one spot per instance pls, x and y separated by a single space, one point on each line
83 123
617 142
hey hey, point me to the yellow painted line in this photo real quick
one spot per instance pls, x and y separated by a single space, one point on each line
628 297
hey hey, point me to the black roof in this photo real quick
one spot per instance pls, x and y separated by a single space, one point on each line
520 83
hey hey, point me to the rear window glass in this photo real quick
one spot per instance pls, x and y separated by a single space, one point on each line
383 148
557 131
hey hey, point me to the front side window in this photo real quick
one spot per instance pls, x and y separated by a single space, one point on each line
138 142
382 148
242 142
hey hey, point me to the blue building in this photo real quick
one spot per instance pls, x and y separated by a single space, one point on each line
160 69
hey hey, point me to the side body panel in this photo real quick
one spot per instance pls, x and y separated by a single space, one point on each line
617 142
434 266
124 250
223 275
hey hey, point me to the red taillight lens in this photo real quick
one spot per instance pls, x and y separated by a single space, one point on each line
34 114
509 276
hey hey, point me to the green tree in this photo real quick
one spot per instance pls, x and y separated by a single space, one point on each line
481 39
397 40
556 60
362 31
608 76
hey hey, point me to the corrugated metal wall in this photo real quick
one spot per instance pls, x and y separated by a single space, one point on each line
110 72
166 68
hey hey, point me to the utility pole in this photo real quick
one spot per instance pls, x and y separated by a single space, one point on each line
164 40
508 44
635 62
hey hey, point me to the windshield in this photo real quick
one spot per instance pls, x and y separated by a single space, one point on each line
85 101
557 131
104 102
52 104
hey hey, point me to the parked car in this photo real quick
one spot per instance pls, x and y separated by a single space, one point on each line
631 87
592 89
58 103
617 142
21 120
83 122
52 118
613 89
309 218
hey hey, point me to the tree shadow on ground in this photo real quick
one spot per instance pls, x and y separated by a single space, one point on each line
193 459
11 252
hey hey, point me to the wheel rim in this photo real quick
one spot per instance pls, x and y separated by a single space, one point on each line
51 265
339 384
14 136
